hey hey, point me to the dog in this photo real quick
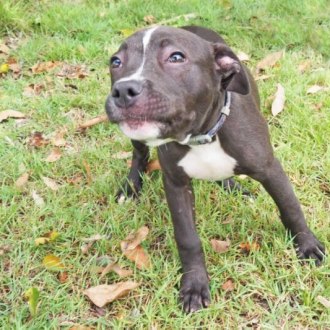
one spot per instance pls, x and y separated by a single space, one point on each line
184 91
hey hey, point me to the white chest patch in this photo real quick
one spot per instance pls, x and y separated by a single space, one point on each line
208 162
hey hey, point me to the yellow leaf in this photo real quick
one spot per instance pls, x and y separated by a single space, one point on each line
53 235
126 32
41 241
52 262
33 296
4 68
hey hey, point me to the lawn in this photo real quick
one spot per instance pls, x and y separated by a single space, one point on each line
269 288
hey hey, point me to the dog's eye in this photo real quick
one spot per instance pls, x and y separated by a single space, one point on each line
115 62
176 57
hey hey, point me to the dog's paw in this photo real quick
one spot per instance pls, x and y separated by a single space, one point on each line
308 247
127 192
194 292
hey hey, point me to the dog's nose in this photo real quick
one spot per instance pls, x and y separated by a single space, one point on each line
125 93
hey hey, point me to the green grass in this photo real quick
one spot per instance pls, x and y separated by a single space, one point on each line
272 289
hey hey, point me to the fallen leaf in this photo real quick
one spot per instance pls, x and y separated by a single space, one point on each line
4 115
22 180
63 277
324 301
46 238
44 66
220 246
304 66
39 201
134 239
90 241
50 183
149 19
52 262
122 272
103 294
4 68
32 295
88 172
263 77
228 285
81 327
73 71
15 68
126 32
122 155
54 156
247 247
138 256
269 61
243 57
75 179
4 49
94 121
4 249
279 100
95 238
37 140
153 165
33 90
315 89
58 140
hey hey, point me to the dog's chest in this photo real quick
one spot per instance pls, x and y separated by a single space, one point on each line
208 162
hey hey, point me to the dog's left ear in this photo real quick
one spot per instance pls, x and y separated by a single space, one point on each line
233 75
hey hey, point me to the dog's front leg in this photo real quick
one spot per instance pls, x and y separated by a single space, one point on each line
194 292
278 186
133 183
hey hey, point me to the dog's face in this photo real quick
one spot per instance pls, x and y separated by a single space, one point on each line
165 81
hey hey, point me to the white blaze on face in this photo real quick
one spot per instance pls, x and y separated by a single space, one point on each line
137 75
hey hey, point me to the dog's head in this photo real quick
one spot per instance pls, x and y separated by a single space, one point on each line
167 81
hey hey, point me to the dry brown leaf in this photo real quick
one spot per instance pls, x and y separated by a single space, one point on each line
94 121
304 66
63 277
114 267
324 301
247 247
37 139
90 241
243 57
50 183
228 285
33 90
15 68
220 246
315 89
122 155
82 327
88 172
39 201
44 66
75 179
279 100
149 19
139 257
153 165
58 140
54 156
134 239
4 49
73 71
269 61
262 77
22 180
103 294
4 115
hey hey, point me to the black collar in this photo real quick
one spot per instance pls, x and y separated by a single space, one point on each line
208 137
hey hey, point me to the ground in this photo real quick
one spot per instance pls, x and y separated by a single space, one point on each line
269 288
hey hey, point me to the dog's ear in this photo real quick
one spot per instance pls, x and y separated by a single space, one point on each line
233 75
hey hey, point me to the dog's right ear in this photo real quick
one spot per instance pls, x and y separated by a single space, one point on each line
233 75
